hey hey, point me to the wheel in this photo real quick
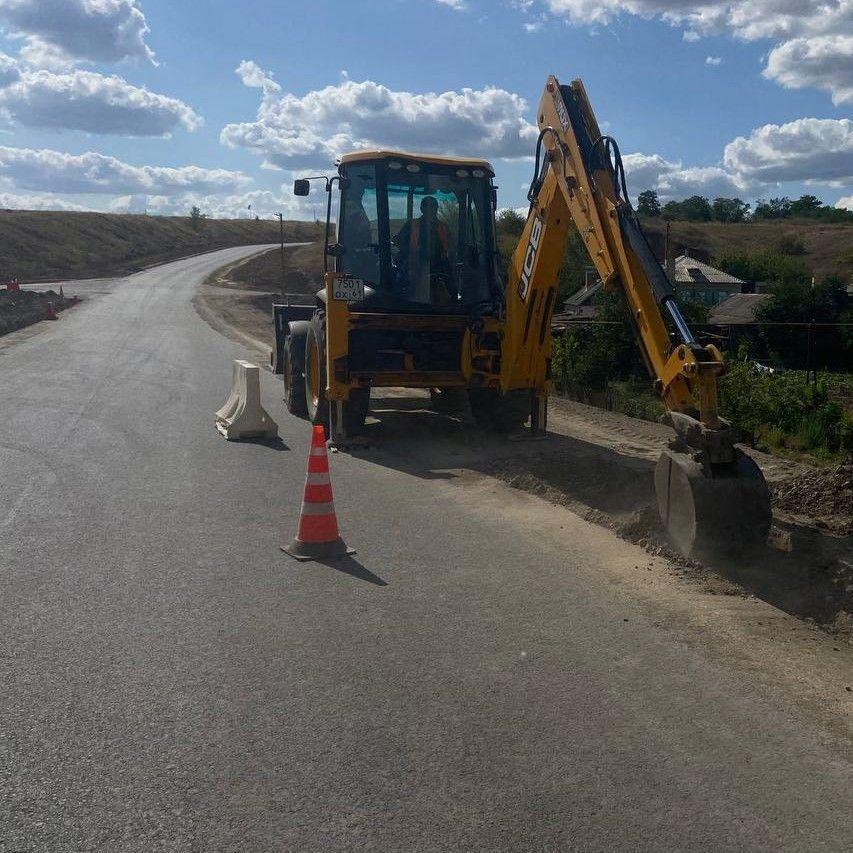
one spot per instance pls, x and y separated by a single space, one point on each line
317 405
293 369
497 412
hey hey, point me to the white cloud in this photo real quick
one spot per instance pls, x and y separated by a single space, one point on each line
845 203
84 100
813 36
9 71
808 149
823 62
458 5
312 130
17 201
713 60
89 30
43 170
672 180
253 76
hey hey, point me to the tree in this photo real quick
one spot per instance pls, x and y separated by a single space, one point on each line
648 203
697 208
729 210
805 205
776 208
196 217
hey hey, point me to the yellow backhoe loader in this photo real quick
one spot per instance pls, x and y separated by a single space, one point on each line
413 297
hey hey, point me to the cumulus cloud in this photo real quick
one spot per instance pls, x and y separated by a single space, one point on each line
89 30
37 201
813 36
265 204
808 149
84 100
9 71
845 203
823 62
673 180
57 172
312 130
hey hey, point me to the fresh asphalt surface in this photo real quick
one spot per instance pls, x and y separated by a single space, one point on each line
170 681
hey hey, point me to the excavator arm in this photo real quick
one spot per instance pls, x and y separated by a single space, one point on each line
708 490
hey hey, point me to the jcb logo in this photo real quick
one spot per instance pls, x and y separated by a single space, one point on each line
530 258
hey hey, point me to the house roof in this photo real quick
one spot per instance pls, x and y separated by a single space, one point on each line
584 295
738 309
692 272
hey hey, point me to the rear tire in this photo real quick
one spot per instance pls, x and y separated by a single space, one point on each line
497 412
293 369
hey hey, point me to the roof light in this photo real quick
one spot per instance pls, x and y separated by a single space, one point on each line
393 164
461 173
413 167
479 173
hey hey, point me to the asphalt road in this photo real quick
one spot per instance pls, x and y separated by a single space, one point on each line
483 676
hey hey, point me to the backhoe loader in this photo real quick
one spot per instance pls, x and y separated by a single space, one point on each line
413 297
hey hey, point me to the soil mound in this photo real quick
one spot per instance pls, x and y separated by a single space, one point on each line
825 494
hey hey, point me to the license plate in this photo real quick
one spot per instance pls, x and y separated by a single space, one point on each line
348 289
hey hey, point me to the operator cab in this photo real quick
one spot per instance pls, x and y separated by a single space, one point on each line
418 231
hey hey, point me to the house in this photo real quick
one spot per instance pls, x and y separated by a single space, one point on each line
701 282
739 309
581 305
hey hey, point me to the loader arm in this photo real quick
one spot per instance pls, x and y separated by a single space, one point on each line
709 492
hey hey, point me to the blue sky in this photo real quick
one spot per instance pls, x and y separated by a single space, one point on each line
146 104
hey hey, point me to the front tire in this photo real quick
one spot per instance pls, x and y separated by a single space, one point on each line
317 406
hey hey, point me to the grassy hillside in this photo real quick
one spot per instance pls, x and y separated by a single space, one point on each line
303 270
828 248
48 245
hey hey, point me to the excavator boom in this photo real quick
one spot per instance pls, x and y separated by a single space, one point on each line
708 490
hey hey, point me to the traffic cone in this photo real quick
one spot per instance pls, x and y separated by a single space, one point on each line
318 537
51 312
61 295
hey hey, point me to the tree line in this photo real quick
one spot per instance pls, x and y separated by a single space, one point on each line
697 208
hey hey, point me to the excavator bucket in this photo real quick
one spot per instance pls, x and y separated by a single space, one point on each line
719 514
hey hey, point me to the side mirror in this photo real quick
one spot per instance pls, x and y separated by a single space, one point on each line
301 186
335 250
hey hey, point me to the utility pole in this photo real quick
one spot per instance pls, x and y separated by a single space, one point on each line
281 247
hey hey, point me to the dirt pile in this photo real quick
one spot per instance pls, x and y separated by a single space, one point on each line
19 308
825 494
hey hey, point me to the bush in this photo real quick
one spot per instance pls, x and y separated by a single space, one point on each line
784 410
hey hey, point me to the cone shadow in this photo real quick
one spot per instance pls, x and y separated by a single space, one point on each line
350 566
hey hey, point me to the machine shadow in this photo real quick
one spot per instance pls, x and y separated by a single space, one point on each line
604 486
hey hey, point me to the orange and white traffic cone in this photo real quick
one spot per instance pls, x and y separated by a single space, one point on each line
318 537
50 312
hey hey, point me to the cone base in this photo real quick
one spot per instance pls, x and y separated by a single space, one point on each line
307 551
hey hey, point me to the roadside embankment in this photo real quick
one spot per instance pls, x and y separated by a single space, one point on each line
56 246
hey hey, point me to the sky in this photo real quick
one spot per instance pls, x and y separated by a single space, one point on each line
158 105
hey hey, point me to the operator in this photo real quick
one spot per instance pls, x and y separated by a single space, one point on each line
423 248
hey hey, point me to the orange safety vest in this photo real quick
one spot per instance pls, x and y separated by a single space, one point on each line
415 235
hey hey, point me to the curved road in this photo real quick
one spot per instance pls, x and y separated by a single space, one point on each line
490 673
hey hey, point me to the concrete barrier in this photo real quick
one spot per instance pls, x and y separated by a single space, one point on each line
242 416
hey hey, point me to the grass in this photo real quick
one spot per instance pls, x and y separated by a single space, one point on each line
826 247
303 270
51 245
